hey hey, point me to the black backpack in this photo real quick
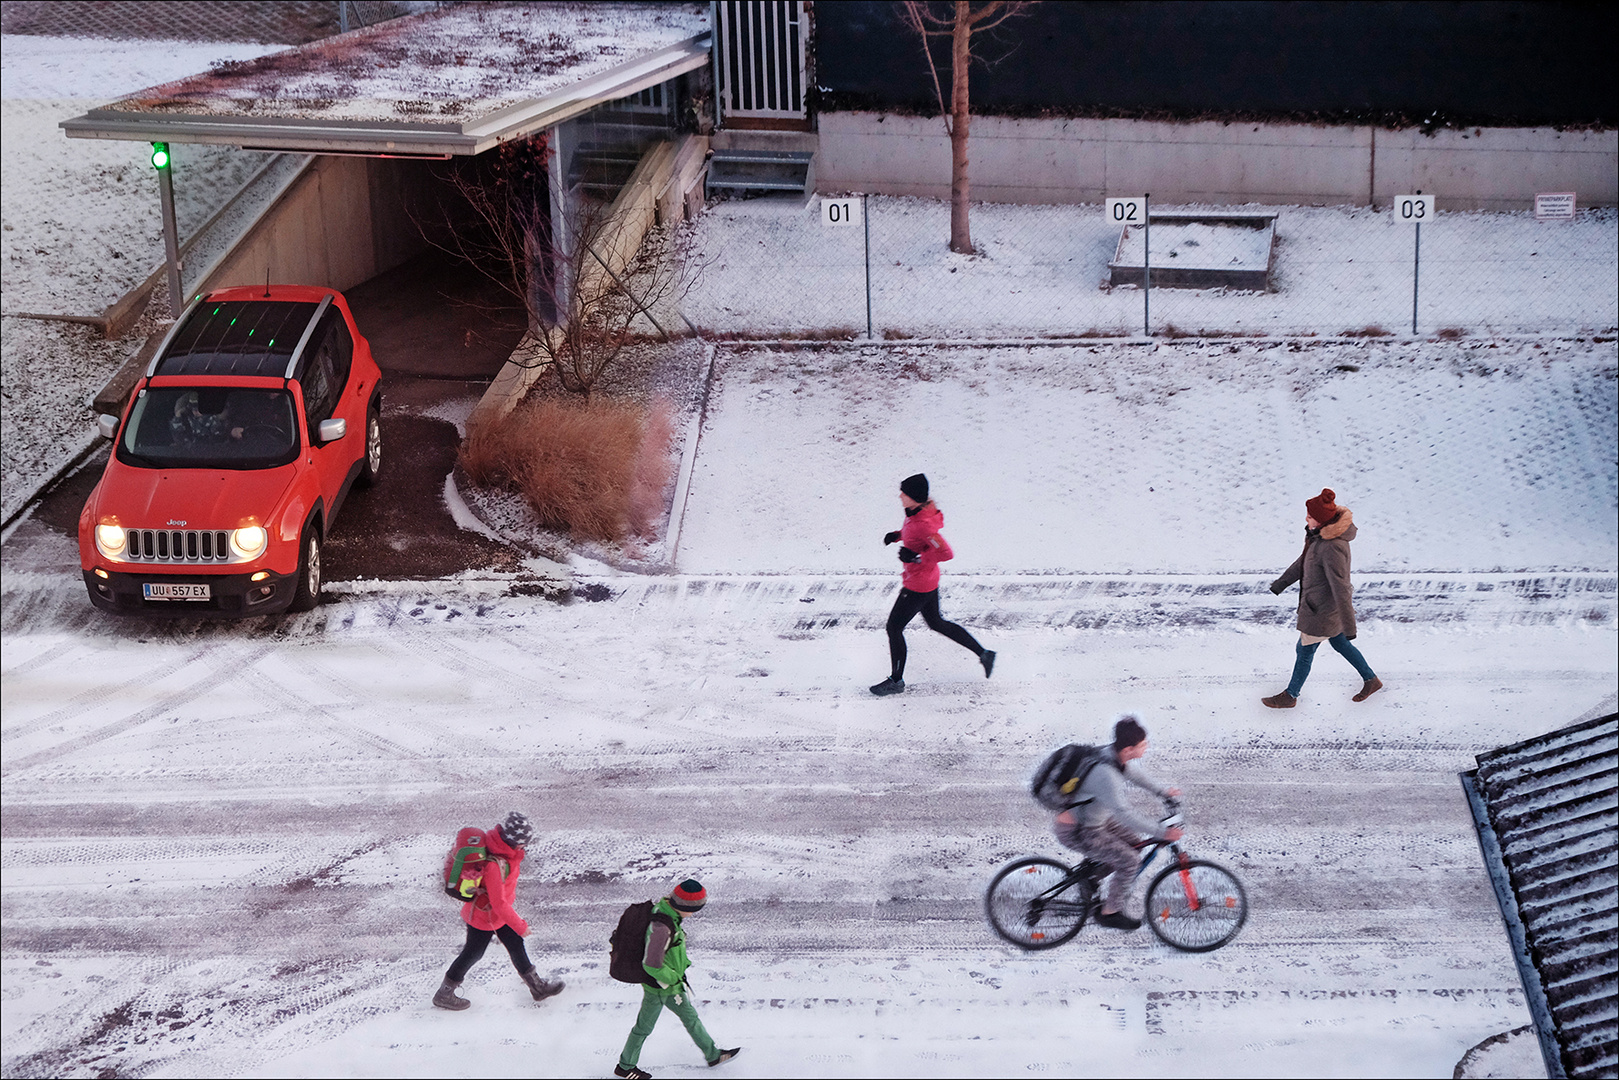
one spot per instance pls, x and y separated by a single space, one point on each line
1058 778
627 943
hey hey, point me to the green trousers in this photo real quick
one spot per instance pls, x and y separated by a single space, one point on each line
653 1002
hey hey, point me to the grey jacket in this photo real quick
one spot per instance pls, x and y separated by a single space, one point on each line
1104 788
1322 571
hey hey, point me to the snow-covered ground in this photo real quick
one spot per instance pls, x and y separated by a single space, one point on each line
770 267
220 840
80 226
1169 458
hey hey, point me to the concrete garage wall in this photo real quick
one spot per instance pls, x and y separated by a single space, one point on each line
1071 161
343 222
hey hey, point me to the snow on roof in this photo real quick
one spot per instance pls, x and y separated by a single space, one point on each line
446 72
1549 803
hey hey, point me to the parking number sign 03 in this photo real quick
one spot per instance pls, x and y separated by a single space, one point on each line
839 212
1128 211
1414 209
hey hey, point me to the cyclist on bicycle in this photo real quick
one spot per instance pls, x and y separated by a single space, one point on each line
1104 828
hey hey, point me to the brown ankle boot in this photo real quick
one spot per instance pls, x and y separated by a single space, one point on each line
1284 700
1373 685
446 997
541 988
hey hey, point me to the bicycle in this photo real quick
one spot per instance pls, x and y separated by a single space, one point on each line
1193 905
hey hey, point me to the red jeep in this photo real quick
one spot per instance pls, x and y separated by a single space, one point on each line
259 412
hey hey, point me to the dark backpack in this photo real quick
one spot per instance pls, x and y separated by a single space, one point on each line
1059 777
627 943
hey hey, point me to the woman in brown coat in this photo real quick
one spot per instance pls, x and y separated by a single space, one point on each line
1325 610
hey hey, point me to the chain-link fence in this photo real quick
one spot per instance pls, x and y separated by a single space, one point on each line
774 267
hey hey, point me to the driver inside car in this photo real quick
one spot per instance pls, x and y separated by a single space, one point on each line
202 416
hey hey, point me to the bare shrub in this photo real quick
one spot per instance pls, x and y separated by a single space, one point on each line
1369 332
593 468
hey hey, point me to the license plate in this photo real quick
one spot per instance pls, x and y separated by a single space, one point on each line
171 591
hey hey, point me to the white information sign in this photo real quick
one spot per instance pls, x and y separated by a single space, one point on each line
1554 206
836 213
1130 210
1414 209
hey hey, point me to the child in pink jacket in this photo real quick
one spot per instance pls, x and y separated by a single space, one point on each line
922 549
490 914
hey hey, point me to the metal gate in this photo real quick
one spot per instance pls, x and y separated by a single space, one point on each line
759 56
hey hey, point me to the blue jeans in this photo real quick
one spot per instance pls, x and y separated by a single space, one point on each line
1306 656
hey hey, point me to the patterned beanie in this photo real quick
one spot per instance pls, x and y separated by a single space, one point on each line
689 896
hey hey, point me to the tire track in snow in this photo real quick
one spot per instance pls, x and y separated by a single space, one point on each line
218 676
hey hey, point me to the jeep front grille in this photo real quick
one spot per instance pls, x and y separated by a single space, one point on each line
179 545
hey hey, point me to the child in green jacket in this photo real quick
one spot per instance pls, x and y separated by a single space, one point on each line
666 963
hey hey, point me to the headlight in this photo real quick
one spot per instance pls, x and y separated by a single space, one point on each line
248 541
110 540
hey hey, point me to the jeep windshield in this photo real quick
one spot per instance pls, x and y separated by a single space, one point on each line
210 427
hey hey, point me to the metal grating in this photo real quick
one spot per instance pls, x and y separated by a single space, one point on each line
179 545
1547 812
759 51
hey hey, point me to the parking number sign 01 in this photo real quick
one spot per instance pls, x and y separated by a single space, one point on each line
840 212
1414 209
1129 211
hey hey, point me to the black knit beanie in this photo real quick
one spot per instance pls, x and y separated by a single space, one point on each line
916 487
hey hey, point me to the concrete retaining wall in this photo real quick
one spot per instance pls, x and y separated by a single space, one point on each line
1073 161
345 221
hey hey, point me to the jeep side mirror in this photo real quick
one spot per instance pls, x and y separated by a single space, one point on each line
107 426
333 429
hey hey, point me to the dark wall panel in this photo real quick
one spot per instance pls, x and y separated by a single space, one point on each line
1502 62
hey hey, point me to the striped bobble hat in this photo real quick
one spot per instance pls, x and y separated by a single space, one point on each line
689 896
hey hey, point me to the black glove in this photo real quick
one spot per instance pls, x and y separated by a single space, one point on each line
889 538
906 555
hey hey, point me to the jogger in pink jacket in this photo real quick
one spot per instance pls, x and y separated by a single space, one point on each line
922 549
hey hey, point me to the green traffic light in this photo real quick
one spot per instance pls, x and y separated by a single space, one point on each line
160 155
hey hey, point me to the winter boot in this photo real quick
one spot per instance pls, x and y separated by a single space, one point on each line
1118 920
539 987
1284 700
446 997
987 658
1373 685
725 1055
631 1072
890 685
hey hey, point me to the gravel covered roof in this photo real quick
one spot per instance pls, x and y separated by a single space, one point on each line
456 64
455 80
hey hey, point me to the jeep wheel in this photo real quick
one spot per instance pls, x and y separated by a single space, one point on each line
372 465
308 591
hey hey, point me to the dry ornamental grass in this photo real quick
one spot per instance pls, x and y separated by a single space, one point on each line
595 469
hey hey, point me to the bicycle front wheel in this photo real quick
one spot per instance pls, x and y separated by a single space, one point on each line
1029 905
1196 906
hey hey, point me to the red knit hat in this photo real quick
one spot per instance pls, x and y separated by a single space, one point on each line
689 896
1323 509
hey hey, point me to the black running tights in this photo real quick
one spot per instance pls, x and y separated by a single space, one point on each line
906 607
478 941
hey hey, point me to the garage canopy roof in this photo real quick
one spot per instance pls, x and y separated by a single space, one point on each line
454 81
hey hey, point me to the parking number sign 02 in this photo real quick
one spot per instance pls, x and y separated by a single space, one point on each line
836 213
1414 209
1129 211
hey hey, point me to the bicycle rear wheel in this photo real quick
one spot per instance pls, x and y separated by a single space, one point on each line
1029 906
1196 906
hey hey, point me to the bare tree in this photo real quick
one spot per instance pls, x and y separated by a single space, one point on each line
959 25
585 291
